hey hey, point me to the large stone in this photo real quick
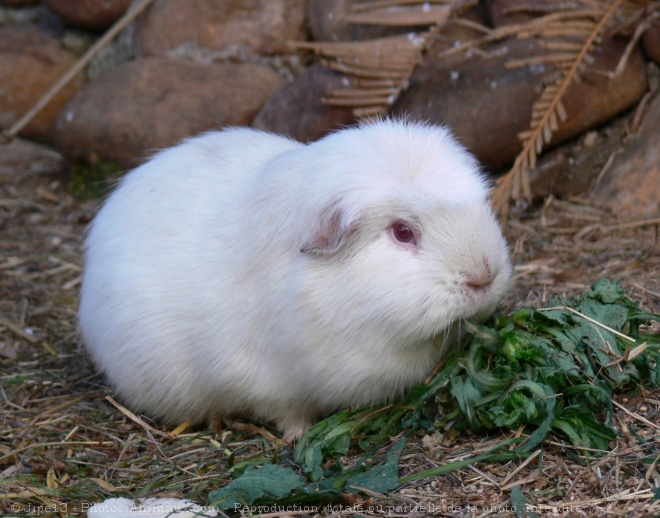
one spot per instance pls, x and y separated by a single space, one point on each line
148 104
260 26
298 110
18 3
651 41
26 157
89 14
631 186
572 168
30 63
331 20
327 22
487 104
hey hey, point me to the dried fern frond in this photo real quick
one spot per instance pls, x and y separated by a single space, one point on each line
528 29
548 111
378 70
398 15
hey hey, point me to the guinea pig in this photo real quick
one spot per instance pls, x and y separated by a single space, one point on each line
241 272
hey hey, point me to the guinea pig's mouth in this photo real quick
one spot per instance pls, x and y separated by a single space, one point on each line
450 338
460 323
485 312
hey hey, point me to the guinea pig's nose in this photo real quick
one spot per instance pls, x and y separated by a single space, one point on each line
478 283
479 278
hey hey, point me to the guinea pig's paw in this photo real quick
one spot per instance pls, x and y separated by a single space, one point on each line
216 423
294 428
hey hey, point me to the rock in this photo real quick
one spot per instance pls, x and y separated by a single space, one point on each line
571 169
631 186
313 118
322 18
454 34
89 14
298 111
327 23
329 20
148 104
28 157
18 3
651 42
30 63
261 26
487 104
117 51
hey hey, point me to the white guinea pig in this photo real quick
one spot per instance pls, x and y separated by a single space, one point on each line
245 273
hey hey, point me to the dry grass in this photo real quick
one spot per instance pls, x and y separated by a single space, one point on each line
63 445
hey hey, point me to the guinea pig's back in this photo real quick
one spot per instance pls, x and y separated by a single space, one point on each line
158 257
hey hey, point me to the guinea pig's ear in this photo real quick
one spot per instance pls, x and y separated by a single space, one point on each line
332 232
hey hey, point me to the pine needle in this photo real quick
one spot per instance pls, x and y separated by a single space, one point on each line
516 181
378 70
401 16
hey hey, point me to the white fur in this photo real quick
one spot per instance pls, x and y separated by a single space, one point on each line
197 300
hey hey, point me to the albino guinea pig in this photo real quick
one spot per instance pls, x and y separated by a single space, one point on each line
242 272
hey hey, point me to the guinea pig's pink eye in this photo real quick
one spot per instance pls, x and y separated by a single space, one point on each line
403 233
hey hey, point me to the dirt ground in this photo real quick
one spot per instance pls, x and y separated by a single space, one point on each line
64 445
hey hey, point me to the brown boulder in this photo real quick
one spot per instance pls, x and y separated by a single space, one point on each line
651 42
298 110
30 63
327 22
487 104
334 20
152 103
89 14
27 158
18 3
260 26
572 169
631 186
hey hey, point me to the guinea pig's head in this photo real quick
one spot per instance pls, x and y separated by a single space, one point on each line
404 239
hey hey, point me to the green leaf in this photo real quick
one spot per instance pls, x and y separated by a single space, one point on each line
548 372
553 371
606 291
270 482
504 456
467 396
521 505
381 478
583 429
312 462
545 395
332 436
